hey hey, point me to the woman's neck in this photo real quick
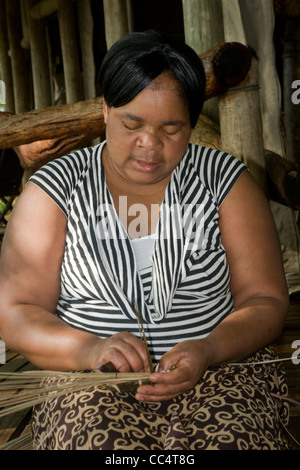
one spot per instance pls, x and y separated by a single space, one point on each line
137 205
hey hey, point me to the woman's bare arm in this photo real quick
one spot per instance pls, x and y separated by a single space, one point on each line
259 293
258 282
31 258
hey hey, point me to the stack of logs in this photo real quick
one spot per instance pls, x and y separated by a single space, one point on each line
39 136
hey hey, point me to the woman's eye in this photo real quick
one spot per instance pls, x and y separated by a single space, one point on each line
131 127
170 130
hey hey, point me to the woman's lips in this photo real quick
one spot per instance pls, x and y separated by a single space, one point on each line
147 167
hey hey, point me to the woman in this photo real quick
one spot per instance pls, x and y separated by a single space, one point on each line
146 225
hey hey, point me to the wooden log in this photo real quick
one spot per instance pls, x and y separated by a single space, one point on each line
86 117
283 180
33 156
226 65
206 133
82 120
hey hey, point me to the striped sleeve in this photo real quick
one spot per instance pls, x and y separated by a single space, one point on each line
218 171
59 177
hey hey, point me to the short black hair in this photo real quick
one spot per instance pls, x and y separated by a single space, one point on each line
136 59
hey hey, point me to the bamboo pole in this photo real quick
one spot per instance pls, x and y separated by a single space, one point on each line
5 62
21 82
39 60
241 124
86 28
66 19
203 30
116 20
130 16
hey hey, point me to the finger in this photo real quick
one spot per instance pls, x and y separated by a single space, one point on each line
158 392
135 352
156 397
174 376
125 352
114 362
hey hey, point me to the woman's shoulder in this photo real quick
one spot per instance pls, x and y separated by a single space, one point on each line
69 168
76 161
218 170
60 177
209 157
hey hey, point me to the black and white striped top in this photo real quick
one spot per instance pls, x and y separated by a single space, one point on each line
185 293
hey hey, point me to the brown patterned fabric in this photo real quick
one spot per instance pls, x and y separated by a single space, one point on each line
231 408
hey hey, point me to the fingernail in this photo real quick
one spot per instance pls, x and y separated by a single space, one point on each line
108 367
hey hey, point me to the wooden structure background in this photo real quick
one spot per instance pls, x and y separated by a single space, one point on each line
51 51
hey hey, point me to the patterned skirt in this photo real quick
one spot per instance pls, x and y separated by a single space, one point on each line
233 407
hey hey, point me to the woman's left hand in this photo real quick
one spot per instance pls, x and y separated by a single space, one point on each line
179 370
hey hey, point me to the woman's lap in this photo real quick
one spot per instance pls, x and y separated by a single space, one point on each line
232 407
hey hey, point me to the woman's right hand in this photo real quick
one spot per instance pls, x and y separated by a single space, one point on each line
125 351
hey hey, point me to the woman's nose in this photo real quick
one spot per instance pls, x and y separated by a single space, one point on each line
150 141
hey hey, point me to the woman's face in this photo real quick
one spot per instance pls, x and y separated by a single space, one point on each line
147 137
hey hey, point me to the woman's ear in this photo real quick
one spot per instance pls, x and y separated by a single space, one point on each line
105 111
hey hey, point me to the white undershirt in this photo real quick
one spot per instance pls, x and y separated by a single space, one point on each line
143 248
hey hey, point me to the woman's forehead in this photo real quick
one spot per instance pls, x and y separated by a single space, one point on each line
163 101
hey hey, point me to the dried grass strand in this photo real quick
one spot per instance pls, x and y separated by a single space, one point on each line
27 388
21 390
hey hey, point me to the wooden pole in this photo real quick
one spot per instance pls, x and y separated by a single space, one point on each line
130 16
39 60
116 20
203 30
241 124
21 82
68 39
5 62
86 29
